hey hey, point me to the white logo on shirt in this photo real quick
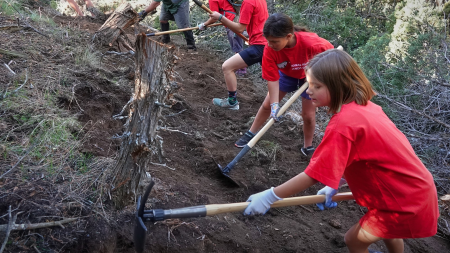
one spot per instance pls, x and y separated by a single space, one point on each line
282 65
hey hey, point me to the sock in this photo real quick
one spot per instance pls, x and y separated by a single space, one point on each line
232 97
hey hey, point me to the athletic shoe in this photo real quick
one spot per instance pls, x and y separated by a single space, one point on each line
192 47
244 139
308 151
241 72
224 103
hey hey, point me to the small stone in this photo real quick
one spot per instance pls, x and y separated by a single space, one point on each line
334 223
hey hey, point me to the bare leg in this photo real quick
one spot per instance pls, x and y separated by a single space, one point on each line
309 121
88 3
264 113
228 67
358 239
394 245
75 7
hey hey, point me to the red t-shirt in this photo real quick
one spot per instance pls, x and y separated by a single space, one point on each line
222 5
254 14
381 169
292 61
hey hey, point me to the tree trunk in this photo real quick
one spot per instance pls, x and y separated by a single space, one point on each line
154 63
122 18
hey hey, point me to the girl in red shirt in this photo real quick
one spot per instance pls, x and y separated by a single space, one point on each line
252 15
226 9
363 145
289 50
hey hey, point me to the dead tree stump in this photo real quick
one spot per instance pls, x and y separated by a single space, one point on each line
114 28
140 143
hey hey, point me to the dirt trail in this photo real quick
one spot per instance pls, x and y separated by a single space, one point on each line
202 132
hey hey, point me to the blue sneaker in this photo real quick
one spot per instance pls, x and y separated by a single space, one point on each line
224 103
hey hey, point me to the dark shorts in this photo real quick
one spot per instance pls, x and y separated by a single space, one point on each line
290 84
253 54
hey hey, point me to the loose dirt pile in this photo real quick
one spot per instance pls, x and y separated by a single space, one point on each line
193 131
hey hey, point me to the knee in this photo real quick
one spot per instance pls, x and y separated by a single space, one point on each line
308 117
227 67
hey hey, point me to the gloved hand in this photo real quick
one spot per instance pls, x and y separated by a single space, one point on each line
274 109
329 193
260 202
142 15
202 27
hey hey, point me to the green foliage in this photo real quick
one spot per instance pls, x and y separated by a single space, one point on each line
87 57
9 7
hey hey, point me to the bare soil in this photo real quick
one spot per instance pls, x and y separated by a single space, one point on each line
197 136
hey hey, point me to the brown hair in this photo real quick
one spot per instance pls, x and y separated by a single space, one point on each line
343 77
279 25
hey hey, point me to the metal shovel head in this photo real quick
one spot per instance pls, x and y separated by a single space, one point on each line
227 176
139 230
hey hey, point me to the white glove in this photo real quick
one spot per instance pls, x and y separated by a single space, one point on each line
202 27
260 202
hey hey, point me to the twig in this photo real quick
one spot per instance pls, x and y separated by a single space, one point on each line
73 95
218 135
117 116
162 164
172 130
23 19
212 77
8 229
174 114
6 65
26 79
38 225
17 163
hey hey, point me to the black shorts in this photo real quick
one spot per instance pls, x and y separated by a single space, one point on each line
253 54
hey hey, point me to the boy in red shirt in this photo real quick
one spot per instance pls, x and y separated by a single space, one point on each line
289 50
226 9
362 144
253 14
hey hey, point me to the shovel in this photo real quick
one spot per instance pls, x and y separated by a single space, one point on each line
153 215
179 30
203 6
225 171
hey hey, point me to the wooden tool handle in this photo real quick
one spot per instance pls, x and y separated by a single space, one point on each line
295 201
291 100
180 30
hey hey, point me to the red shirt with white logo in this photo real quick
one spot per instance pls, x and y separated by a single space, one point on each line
222 6
254 14
292 61
382 171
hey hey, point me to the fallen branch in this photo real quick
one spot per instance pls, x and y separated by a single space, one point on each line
162 164
16 90
12 53
10 70
37 225
415 111
119 115
8 229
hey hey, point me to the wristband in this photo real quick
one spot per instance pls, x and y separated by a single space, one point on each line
220 17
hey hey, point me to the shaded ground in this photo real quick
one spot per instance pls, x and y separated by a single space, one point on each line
195 133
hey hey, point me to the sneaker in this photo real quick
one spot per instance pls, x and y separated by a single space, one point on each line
241 72
244 139
223 102
308 151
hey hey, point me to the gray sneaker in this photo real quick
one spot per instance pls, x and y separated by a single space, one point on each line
223 102
308 151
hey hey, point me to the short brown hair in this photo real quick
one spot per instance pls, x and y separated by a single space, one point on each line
343 77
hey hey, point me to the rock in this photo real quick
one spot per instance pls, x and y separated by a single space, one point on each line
334 223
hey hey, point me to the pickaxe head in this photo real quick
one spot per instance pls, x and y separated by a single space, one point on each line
140 230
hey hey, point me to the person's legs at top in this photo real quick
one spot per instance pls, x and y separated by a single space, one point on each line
164 18
309 124
88 3
237 45
358 240
75 7
247 57
182 20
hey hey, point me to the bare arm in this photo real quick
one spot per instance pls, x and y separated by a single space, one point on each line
235 27
295 185
274 91
152 6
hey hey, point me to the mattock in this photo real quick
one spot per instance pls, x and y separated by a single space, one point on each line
153 215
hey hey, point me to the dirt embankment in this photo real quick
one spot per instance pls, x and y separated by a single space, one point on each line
195 133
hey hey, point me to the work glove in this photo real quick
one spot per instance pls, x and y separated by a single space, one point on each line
274 109
202 27
260 202
142 15
329 193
